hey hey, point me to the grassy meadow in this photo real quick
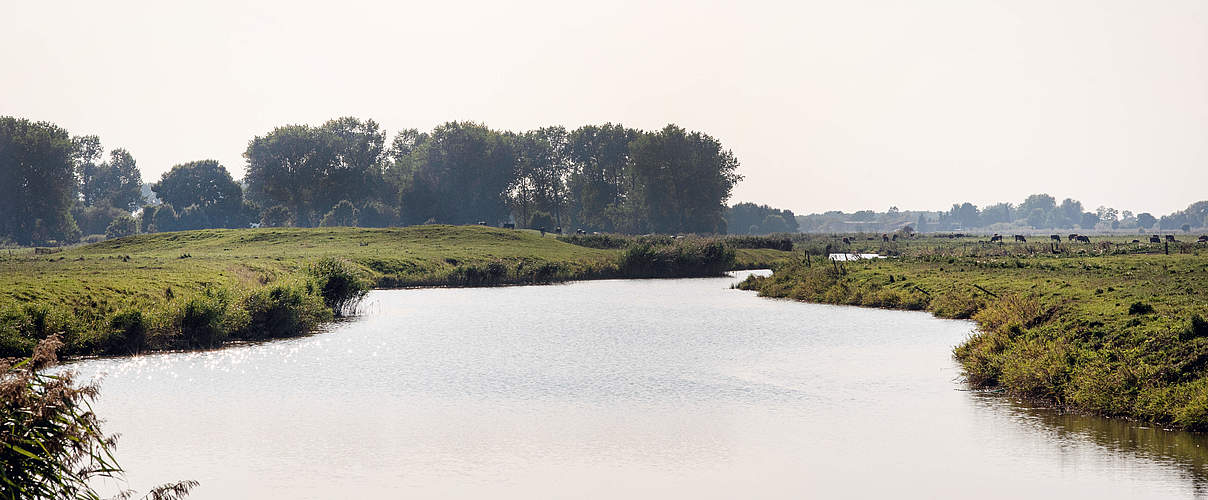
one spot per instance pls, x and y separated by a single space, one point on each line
1110 327
194 289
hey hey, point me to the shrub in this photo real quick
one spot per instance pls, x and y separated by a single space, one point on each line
340 285
201 319
1139 308
122 226
128 335
342 214
282 311
277 216
377 214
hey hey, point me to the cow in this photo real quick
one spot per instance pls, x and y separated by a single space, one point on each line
884 238
1136 241
1084 239
1055 237
997 237
558 230
1170 238
580 231
895 237
1073 237
1203 239
846 241
1020 238
482 223
509 225
1155 239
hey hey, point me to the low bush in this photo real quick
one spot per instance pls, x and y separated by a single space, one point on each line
339 284
202 320
128 334
281 311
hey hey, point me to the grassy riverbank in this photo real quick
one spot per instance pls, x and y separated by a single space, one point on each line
202 288
1111 327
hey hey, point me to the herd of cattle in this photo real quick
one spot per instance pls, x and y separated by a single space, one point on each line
1081 238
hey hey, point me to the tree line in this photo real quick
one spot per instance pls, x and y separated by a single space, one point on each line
345 172
1037 211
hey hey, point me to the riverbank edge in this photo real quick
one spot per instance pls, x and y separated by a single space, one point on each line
298 301
998 322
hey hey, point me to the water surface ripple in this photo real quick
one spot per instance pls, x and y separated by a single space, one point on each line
614 389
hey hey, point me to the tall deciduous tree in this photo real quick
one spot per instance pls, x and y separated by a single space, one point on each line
462 173
117 182
310 169
206 185
682 181
37 170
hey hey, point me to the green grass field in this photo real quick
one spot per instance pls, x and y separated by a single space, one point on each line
1109 327
79 291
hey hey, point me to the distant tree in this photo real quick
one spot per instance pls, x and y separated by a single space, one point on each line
207 185
1106 213
310 169
681 182
892 210
1088 220
95 219
277 216
1045 203
966 215
462 175
1186 228
1071 209
994 214
117 183
37 174
122 226
773 224
1037 218
194 217
146 219
342 214
377 214
759 219
599 177
166 218
1146 220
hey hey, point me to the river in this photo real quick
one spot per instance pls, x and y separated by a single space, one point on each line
614 389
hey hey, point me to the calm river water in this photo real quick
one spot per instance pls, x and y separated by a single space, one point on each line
614 389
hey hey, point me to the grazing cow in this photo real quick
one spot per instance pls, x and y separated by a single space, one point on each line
895 237
997 237
1203 239
1020 238
1084 239
580 231
509 225
482 223
1073 237
885 238
1155 239
1055 237
558 230
1170 238
1136 241
846 241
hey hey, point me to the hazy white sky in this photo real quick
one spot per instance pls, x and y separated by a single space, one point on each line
828 104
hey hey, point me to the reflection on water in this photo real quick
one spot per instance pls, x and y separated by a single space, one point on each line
1187 452
614 389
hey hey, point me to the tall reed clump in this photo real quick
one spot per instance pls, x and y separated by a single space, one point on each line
51 445
339 284
684 258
